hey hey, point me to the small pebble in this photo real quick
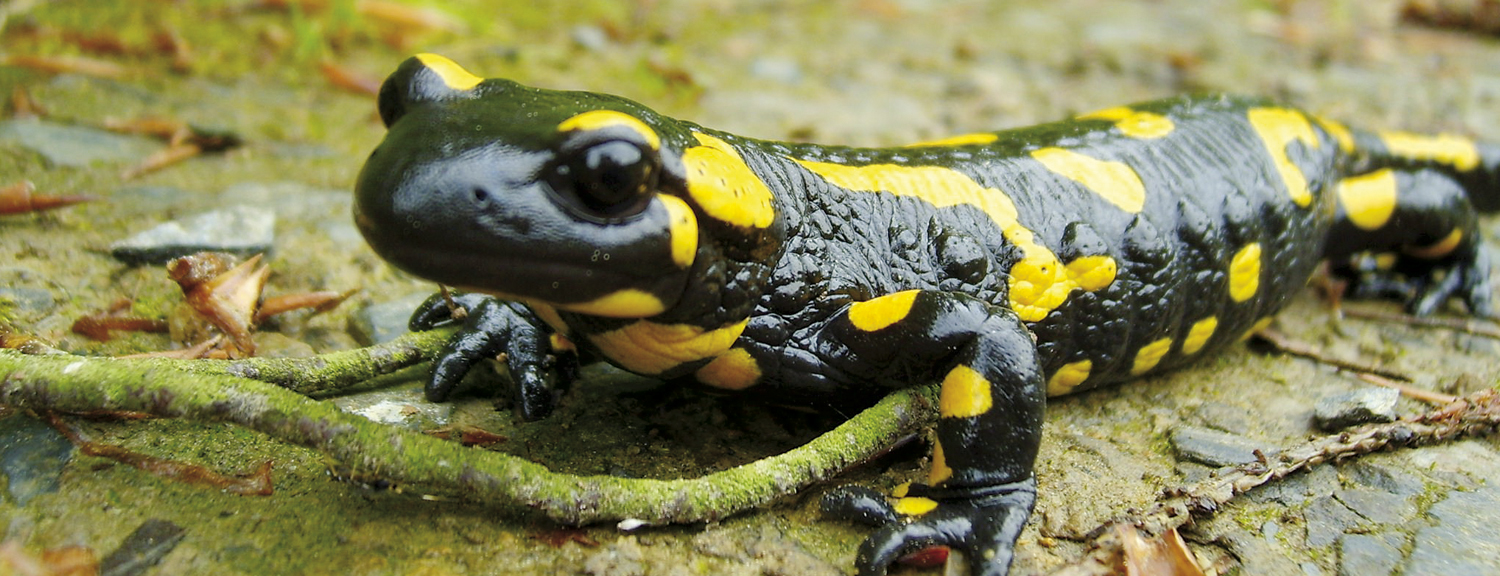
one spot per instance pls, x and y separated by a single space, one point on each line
241 230
1212 447
590 37
1364 405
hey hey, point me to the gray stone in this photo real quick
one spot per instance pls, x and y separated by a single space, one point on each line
32 456
1298 489
1377 506
1364 405
404 406
1225 417
385 321
1326 519
1258 555
151 199
590 37
77 146
1212 447
778 69
298 201
1462 540
623 557
27 302
1370 554
1375 473
241 230
26 294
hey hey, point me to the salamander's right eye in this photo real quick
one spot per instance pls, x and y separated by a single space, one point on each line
607 180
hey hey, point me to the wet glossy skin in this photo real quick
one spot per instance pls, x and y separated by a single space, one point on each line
1006 266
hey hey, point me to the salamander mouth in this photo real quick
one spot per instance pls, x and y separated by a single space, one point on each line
538 277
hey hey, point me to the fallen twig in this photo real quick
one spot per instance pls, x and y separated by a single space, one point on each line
1413 392
1459 324
1285 344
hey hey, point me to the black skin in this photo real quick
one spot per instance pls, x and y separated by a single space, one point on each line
492 326
480 187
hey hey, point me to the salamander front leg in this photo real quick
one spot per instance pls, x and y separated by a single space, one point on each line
493 327
980 488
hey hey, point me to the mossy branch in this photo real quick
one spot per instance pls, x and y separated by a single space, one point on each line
208 392
325 374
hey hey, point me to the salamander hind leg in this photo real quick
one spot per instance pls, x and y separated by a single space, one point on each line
980 490
1411 235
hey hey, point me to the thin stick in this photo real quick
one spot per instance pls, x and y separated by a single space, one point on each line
1428 396
1456 324
1285 344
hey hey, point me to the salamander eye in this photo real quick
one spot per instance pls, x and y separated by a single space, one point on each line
608 180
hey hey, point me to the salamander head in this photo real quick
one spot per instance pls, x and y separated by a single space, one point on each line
539 195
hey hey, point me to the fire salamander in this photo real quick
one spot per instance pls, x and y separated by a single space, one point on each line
1007 266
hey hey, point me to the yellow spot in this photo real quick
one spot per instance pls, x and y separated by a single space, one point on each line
901 489
452 74
1386 260
1149 356
1038 283
561 343
1339 132
939 471
1113 181
1067 378
1134 123
872 315
684 230
1439 249
961 140
1369 199
1092 272
1244 272
1257 327
549 315
1450 149
1199 334
598 119
650 348
627 303
726 188
965 393
914 506
1279 127
732 370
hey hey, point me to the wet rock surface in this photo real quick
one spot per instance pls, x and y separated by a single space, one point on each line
384 321
1213 447
32 456
74 146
